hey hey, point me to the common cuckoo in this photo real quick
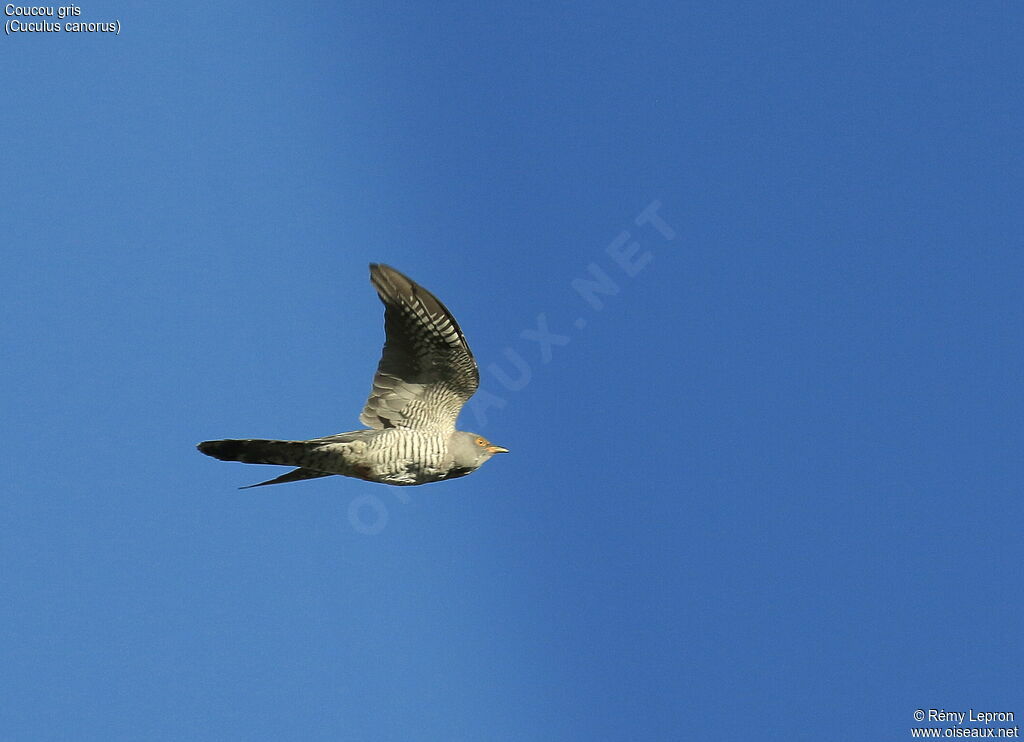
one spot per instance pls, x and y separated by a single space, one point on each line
425 375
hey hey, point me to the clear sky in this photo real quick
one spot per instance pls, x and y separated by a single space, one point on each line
766 486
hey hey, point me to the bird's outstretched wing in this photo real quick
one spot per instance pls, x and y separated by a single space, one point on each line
427 372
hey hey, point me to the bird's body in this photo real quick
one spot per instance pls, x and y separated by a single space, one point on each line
391 456
425 376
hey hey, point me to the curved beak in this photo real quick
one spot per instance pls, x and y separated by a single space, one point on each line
497 449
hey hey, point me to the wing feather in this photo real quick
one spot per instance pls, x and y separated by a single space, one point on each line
427 371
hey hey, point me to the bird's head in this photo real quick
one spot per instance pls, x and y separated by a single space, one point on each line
469 450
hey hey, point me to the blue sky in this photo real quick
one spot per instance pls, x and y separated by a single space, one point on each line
771 489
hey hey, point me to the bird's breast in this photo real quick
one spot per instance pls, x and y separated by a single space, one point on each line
408 457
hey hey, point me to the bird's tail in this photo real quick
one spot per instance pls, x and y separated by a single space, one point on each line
257 451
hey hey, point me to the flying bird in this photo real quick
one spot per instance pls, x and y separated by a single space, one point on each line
425 376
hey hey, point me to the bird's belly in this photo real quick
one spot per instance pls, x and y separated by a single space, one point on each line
408 473
390 457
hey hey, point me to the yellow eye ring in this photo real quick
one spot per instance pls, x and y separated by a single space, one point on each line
480 441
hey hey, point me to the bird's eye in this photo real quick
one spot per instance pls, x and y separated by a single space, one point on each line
481 442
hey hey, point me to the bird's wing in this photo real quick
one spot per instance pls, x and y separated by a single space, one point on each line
295 475
427 372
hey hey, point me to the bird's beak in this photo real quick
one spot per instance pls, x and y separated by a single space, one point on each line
497 449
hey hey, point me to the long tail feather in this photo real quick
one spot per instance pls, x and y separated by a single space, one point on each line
257 451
